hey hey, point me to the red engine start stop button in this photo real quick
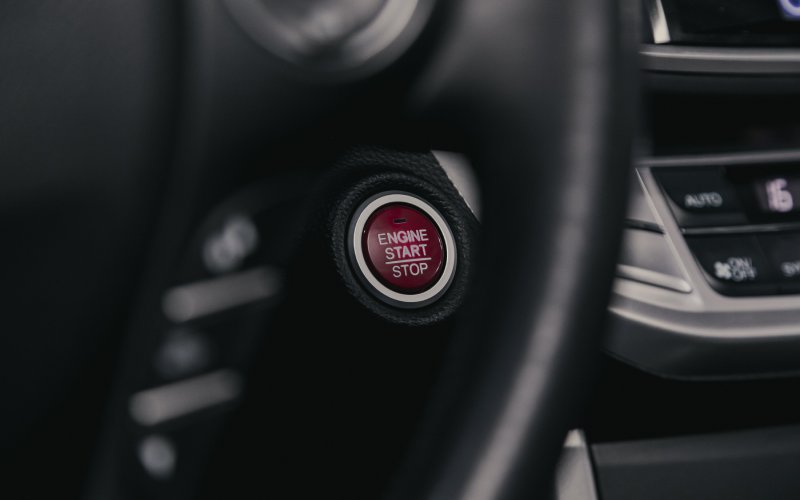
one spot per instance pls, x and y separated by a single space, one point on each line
403 249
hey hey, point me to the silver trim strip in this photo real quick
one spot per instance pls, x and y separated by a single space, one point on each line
722 159
761 228
460 172
574 475
195 300
658 22
720 60
654 278
162 404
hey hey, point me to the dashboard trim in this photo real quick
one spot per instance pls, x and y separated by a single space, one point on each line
702 334
575 474
658 22
720 60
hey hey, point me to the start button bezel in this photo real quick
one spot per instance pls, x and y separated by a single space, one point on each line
365 273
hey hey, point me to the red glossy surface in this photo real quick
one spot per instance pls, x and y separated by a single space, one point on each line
404 248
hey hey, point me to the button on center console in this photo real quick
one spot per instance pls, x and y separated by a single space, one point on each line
735 265
741 222
701 196
783 251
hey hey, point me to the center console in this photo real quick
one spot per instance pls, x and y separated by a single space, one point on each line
704 336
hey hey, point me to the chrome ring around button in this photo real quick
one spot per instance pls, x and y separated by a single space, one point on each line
366 274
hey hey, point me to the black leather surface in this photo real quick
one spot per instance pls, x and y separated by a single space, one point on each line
543 90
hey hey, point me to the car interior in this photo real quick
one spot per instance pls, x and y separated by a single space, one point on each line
400 249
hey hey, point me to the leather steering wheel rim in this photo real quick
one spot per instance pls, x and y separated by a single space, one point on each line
547 103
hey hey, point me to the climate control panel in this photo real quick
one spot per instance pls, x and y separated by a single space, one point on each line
709 275
741 223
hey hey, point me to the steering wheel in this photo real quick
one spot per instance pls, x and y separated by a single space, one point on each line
541 91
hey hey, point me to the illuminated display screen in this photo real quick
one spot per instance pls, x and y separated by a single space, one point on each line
767 193
778 194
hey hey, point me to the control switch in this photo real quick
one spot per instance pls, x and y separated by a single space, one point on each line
402 249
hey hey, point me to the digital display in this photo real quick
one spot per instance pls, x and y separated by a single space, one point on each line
778 194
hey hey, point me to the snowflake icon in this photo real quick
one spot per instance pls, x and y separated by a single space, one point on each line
722 270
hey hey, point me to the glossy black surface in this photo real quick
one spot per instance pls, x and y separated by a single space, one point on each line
732 23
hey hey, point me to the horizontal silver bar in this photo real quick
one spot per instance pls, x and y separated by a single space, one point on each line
195 300
754 158
168 402
655 278
747 229
720 60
